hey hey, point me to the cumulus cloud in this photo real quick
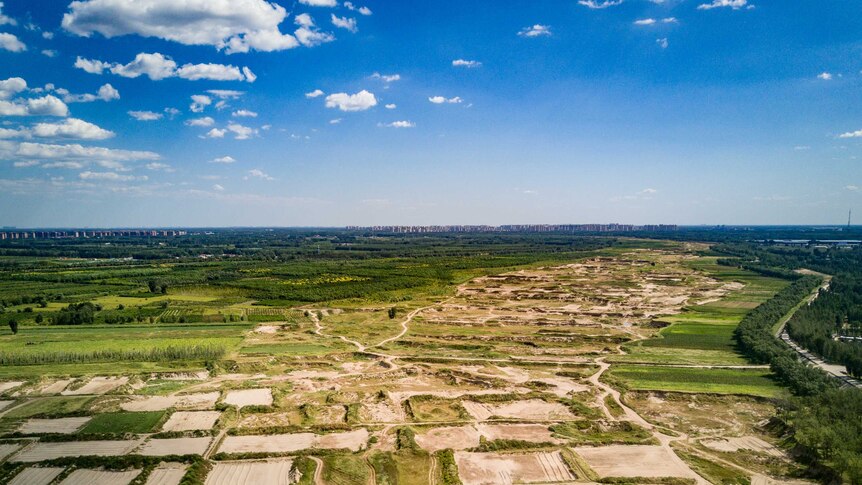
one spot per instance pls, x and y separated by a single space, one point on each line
199 102
244 113
535 31
256 173
215 133
72 128
645 22
226 159
79 152
159 166
12 86
825 76
158 66
387 78
319 3
49 53
218 187
308 34
45 106
145 115
360 101
733 4
400 124
11 43
346 23
314 94
442 100
594 4
225 93
205 121
466 63
4 20
391 106
9 133
363 10
851 134
106 93
231 25
25 164
662 42
852 188
241 132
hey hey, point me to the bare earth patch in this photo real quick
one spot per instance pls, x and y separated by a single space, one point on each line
455 437
99 477
191 420
7 449
249 397
4 404
634 461
9 385
752 443
204 400
287 443
534 409
496 469
167 474
36 476
59 425
97 385
175 446
534 433
55 387
269 472
49 451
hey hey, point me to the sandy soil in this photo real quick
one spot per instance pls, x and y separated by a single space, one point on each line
4 404
49 451
98 477
633 461
267 329
59 425
7 449
269 472
496 469
167 474
249 397
175 446
533 409
9 385
536 433
380 412
455 437
191 420
204 400
55 387
98 385
36 476
265 419
287 443
752 443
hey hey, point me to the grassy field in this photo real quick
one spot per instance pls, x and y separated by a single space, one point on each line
144 422
51 406
753 382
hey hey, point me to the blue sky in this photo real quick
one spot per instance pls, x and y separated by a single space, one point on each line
446 112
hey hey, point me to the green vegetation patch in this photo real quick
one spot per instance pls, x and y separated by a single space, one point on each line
118 423
754 382
54 406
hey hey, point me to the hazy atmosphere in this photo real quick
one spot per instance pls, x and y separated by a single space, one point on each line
325 113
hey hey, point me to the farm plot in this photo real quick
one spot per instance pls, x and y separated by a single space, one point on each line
49 451
753 382
175 446
634 461
36 476
58 425
532 409
5 404
123 422
191 420
100 477
269 472
288 443
454 437
534 433
167 474
9 385
205 400
53 387
50 406
492 468
97 385
751 443
249 397
7 449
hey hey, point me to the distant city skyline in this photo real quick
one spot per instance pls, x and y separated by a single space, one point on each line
326 113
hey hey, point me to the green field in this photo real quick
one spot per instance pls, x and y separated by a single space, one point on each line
753 382
144 422
51 407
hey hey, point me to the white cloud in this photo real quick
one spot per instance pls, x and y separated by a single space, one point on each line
71 128
25 164
387 78
11 43
346 23
535 31
205 121
319 3
852 188
106 93
645 22
215 133
226 159
335 121
314 94
145 115
49 53
352 7
171 112
308 34
825 76
65 165
244 113
391 106
159 166
594 4
466 63
110 176
670 20
442 99
11 87
7 133
218 187
199 102
241 132
232 25
256 173
78 152
802 147
851 134
360 101
4 20
400 124
47 35
734 4
662 42
44 106
158 66
225 93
